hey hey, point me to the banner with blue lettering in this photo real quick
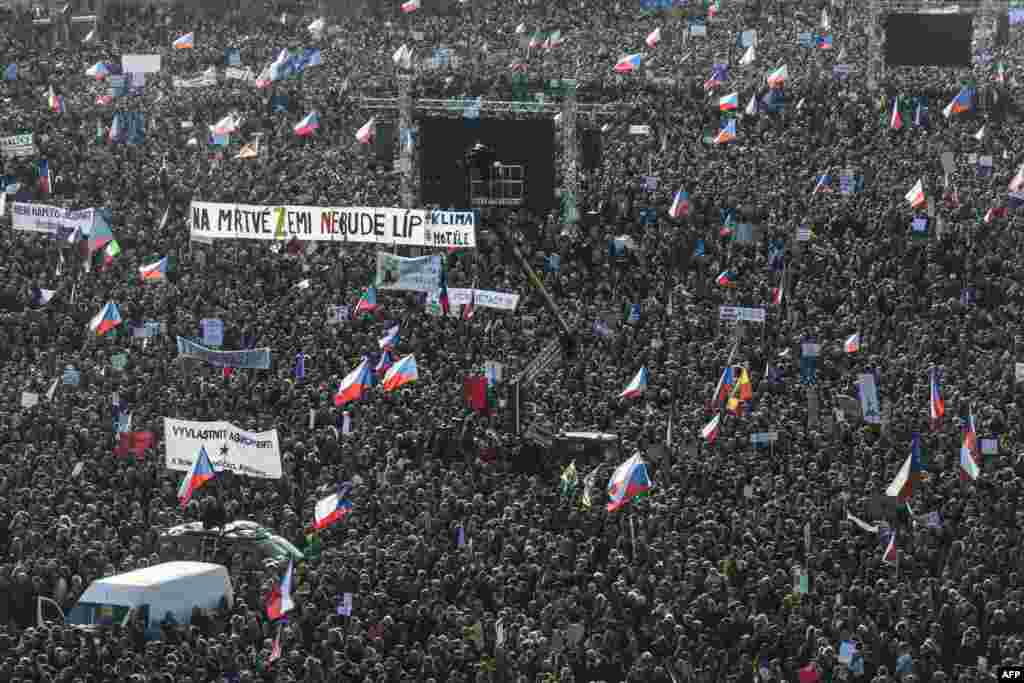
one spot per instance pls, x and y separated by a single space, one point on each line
391 226
253 359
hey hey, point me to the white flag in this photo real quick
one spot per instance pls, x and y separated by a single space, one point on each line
748 57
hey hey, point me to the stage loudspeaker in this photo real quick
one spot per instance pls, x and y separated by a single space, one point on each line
1002 29
384 141
591 148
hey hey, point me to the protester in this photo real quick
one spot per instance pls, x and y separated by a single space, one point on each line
458 562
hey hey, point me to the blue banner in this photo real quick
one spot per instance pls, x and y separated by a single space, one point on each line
254 359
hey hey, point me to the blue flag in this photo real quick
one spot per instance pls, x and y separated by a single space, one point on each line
300 366
11 72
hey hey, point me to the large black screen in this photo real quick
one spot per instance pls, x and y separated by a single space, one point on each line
444 143
928 39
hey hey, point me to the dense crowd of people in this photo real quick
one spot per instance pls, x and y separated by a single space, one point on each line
742 564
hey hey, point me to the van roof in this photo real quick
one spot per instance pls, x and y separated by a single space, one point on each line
159 574
134 587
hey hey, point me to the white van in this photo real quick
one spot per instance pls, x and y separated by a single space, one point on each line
152 593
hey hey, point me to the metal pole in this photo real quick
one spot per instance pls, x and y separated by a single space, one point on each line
569 152
405 123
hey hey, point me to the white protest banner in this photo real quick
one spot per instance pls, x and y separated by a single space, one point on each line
251 454
205 80
735 313
1018 372
639 130
869 399
421 274
410 227
235 73
457 296
18 146
49 219
140 64
29 399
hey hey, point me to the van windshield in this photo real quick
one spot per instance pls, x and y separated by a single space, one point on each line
90 613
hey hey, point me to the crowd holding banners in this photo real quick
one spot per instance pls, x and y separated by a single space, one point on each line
453 563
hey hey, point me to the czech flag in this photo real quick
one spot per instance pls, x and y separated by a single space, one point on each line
727 134
710 431
852 343
902 486
637 386
719 75
410 6
331 509
824 184
365 134
367 302
185 42
777 294
730 102
778 78
824 42
226 126
727 278
401 373
916 196
969 470
201 472
307 125
964 101
154 271
390 338
653 38
355 384
99 71
895 120
630 480
725 384
107 319
936 406
628 63
891 554
680 205
279 602
1017 184
45 179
